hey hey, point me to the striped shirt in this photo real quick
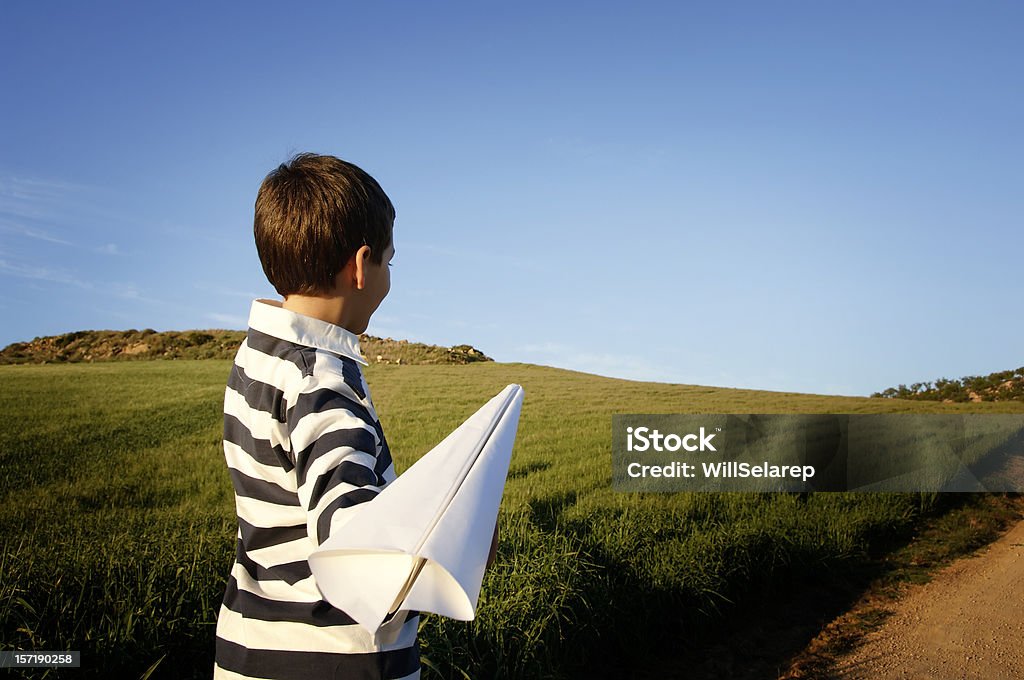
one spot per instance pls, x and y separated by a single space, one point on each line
304 448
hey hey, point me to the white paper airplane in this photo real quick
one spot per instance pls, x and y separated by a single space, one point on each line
422 543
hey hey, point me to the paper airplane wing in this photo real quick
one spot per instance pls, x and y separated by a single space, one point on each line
422 543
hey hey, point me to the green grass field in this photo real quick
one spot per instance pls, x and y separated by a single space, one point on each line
117 520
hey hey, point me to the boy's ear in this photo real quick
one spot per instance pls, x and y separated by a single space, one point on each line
353 274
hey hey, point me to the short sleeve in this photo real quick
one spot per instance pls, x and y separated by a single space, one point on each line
334 443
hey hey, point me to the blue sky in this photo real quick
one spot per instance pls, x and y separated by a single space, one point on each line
814 197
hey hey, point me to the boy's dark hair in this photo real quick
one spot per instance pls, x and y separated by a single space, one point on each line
312 214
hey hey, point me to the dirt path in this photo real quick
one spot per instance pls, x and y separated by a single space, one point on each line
967 622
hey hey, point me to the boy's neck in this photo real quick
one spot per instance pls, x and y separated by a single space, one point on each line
329 309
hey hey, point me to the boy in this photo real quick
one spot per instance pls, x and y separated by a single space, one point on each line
302 440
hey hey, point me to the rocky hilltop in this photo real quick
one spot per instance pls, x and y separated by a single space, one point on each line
206 344
999 386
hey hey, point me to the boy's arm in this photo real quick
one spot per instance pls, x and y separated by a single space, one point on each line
333 446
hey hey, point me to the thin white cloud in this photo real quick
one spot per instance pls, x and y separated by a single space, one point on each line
48 200
28 232
231 320
543 348
48 209
132 319
617 365
457 323
11 227
489 325
29 187
630 366
232 292
28 271
130 291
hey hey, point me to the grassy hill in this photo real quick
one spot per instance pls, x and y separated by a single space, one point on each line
92 346
117 525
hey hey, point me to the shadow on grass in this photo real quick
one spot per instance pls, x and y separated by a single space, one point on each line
641 630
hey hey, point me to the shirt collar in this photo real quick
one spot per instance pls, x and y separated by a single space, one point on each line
270 317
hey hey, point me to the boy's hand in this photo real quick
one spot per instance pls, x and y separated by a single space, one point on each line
494 546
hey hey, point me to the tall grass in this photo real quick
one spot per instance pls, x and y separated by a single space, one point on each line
117 520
